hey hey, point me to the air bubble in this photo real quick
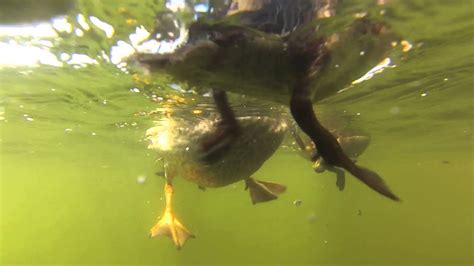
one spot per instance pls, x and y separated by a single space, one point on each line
141 180
297 202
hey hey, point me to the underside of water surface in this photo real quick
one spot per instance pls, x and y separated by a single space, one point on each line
79 184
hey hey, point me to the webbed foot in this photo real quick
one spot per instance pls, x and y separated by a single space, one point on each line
262 191
319 166
340 177
169 225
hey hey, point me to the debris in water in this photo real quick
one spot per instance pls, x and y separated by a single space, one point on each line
297 202
406 46
141 179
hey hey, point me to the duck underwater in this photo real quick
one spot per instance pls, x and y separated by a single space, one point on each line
279 49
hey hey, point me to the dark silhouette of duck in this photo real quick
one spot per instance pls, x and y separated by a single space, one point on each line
292 57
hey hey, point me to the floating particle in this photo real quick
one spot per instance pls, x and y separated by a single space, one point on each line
104 102
131 21
362 53
445 79
79 33
297 202
53 89
135 90
28 118
358 114
187 148
406 46
360 14
424 94
141 180
93 133
68 130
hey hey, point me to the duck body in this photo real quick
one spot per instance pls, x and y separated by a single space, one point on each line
260 138
177 142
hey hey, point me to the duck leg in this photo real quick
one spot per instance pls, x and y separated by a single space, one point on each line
169 225
226 131
327 145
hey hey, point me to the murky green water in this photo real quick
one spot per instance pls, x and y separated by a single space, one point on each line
73 150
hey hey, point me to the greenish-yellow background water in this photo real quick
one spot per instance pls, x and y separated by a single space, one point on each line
72 148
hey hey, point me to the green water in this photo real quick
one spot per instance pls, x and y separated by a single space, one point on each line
70 163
